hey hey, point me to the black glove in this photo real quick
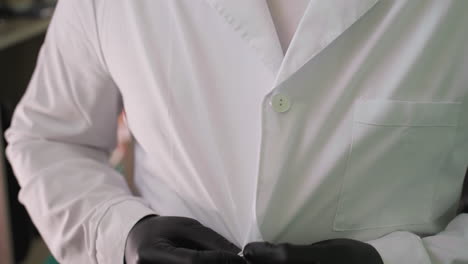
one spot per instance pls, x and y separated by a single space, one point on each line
178 240
335 251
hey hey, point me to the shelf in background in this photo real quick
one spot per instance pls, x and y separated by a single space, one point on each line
17 30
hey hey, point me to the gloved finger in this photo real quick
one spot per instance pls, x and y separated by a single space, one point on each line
217 257
168 254
264 252
207 239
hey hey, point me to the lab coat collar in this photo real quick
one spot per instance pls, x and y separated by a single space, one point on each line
253 22
322 23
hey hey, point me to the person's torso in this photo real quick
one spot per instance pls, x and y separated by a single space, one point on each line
358 132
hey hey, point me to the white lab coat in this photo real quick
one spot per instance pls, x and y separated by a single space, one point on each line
359 131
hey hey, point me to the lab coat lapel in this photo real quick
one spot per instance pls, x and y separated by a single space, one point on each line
253 22
323 22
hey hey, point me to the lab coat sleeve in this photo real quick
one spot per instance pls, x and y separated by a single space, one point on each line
62 133
448 247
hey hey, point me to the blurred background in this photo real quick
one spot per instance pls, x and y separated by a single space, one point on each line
23 25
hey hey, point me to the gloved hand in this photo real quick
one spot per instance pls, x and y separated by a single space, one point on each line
335 251
178 240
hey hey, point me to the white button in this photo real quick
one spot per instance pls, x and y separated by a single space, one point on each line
280 103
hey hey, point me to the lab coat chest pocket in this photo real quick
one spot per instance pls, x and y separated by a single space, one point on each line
396 154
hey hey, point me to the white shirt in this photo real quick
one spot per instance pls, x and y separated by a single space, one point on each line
357 132
286 16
